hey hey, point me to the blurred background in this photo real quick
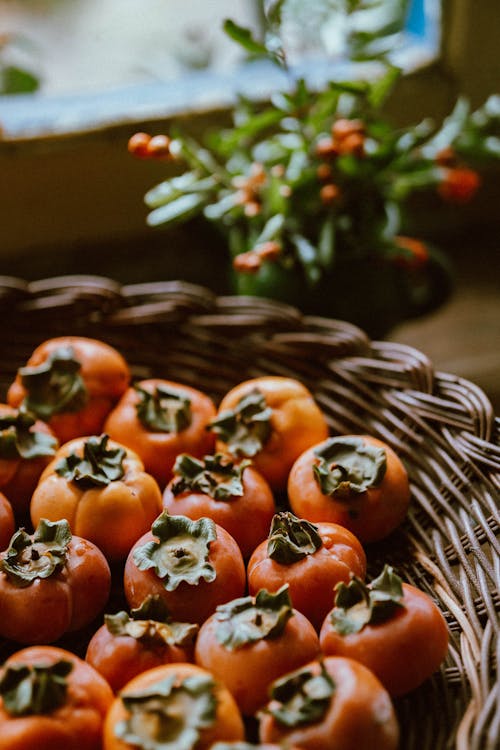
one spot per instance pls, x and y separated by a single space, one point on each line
79 77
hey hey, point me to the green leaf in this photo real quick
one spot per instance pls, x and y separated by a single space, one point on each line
248 620
246 428
272 229
307 256
167 191
181 554
357 604
244 38
291 539
382 87
15 80
55 386
33 690
216 476
18 440
348 466
180 209
41 556
169 714
164 409
302 697
326 243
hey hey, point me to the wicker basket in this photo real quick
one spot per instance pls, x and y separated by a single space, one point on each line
442 427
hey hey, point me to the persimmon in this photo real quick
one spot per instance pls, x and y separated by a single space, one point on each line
251 641
330 704
311 558
72 383
51 582
391 627
192 565
159 419
51 700
175 705
127 645
101 488
271 420
250 746
356 481
27 445
7 521
234 495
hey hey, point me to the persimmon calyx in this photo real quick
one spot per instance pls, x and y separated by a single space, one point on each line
291 538
98 466
55 386
181 554
358 604
246 620
302 696
151 624
33 689
169 714
40 556
247 428
216 476
164 409
18 440
348 465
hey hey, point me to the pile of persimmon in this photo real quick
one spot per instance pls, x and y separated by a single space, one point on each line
233 539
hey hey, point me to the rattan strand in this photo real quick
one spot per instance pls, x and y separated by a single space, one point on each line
442 426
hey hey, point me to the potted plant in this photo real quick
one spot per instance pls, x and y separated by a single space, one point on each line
309 188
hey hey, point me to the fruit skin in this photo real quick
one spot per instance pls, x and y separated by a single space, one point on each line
7 522
228 722
112 517
158 450
313 578
247 517
65 602
296 424
76 725
403 651
248 671
370 515
120 658
20 476
360 717
105 374
190 603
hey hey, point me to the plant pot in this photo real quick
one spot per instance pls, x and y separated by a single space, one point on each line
375 294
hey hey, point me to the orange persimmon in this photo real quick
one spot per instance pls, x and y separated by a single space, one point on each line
159 419
27 445
72 383
51 700
251 641
356 481
50 583
192 565
234 495
181 705
127 645
271 420
332 704
391 627
7 522
311 558
101 488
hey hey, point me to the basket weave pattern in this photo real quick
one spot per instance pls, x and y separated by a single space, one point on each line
442 427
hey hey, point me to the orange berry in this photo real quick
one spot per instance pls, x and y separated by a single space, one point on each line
159 147
352 144
459 185
329 194
268 250
417 256
248 262
343 128
446 157
324 172
138 144
252 208
326 149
